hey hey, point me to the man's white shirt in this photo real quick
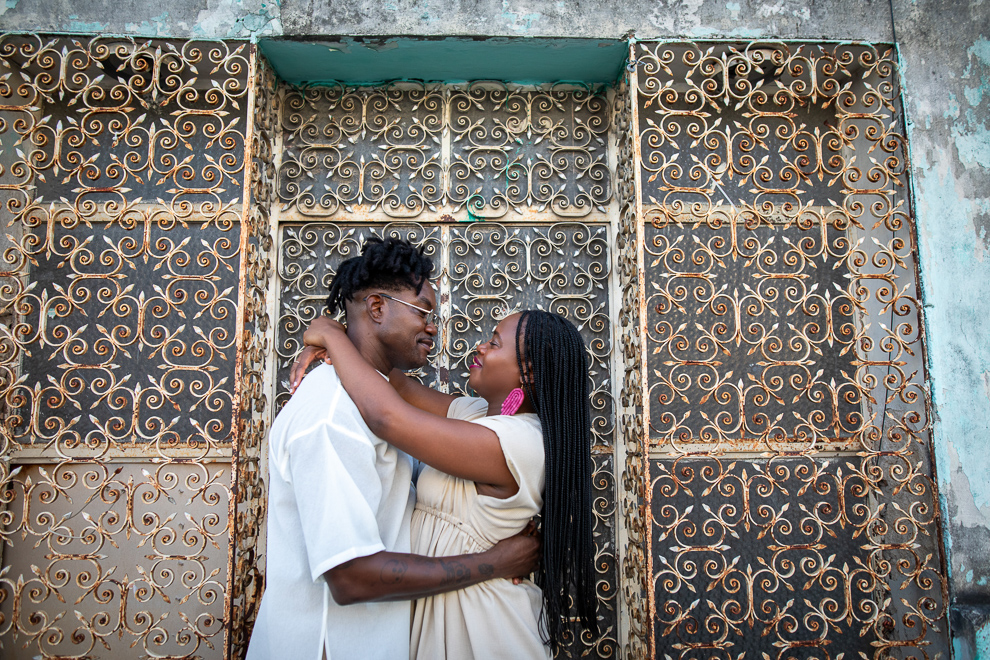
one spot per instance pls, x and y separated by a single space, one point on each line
336 491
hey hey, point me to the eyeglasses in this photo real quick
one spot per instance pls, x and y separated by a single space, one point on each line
428 316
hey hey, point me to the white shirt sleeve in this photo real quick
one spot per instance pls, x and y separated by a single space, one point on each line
338 492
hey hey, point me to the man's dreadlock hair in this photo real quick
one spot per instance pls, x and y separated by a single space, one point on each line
390 265
551 354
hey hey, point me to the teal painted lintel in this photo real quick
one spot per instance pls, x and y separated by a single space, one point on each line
371 60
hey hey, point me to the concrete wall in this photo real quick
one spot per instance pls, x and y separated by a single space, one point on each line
945 45
743 19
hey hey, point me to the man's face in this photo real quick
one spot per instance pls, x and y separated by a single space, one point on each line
408 333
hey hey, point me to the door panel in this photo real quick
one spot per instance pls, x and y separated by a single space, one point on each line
790 502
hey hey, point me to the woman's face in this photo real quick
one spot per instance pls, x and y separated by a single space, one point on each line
495 369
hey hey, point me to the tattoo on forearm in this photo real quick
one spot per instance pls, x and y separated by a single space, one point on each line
486 570
393 571
456 572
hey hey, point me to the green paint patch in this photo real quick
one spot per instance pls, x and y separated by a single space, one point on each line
981 49
369 60
974 95
974 148
952 110
85 27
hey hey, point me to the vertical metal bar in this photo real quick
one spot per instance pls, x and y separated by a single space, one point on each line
617 363
271 333
236 426
444 293
645 513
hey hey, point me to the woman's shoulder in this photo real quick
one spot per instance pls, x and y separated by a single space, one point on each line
467 408
519 435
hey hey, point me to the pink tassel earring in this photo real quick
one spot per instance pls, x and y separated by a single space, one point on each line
513 402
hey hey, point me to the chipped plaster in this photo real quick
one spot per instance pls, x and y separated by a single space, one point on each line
946 71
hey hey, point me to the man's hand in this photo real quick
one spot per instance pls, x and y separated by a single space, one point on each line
517 556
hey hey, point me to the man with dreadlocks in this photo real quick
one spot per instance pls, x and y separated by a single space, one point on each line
521 448
339 576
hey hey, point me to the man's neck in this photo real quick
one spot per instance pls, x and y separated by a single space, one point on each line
370 349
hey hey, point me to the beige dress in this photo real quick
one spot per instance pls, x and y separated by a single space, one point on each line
494 619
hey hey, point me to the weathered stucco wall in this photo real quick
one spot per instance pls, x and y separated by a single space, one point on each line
861 19
744 19
945 46
205 19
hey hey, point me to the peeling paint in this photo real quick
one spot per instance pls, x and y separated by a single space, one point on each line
520 21
981 49
669 16
157 25
953 108
946 69
974 147
7 4
955 277
983 643
968 512
974 95
229 19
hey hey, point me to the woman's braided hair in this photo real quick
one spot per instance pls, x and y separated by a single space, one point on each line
391 264
552 356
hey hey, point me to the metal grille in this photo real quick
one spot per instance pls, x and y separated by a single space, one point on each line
122 186
731 230
475 152
792 510
393 161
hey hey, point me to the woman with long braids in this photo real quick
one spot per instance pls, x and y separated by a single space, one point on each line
492 463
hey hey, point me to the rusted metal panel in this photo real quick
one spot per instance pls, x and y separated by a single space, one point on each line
788 415
122 204
531 162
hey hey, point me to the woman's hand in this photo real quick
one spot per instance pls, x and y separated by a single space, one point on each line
321 331
306 357
317 337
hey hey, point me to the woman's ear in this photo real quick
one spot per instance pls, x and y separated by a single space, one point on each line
527 375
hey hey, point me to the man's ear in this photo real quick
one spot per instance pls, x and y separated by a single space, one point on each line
375 307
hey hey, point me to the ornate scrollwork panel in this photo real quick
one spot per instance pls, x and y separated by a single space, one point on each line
791 557
543 149
492 268
309 257
479 150
753 341
102 559
563 268
378 148
126 334
122 182
782 321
